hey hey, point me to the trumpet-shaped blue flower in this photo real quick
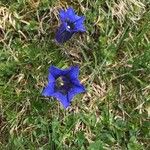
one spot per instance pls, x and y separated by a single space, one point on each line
70 24
63 84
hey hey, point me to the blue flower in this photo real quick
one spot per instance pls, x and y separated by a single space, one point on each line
63 84
70 24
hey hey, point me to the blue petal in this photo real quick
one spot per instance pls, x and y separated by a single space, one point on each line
68 14
80 20
62 15
80 28
60 31
51 78
70 11
79 24
62 98
71 14
77 17
62 34
76 82
74 72
75 90
48 90
55 72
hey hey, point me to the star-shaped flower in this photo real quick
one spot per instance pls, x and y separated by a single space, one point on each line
70 24
63 84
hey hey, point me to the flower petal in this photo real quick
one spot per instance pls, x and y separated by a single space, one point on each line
79 26
62 34
62 98
76 82
51 78
75 90
55 72
62 15
74 72
48 90
71 14
77 17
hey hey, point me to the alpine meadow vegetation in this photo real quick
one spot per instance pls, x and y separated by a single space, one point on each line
74 75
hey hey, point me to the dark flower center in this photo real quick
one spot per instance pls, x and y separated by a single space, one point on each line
70 24
63 85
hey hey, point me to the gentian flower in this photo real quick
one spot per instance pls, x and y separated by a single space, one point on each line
63 84
70 24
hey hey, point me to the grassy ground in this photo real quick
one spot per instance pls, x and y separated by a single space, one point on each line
114 60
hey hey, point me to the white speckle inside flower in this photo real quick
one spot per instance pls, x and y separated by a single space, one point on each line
59 82
68 27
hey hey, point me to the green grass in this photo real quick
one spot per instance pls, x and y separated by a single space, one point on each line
114 60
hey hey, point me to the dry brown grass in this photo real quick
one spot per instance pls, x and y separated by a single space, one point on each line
132 9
